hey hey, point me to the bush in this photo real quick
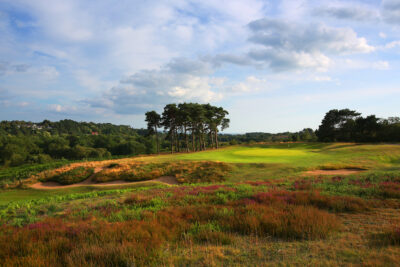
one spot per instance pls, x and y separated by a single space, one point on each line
286 222
389 189
199 172
390 237
184 172
73 176
209 233
333 203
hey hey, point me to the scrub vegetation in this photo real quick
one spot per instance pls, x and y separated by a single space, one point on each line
239 205
253 203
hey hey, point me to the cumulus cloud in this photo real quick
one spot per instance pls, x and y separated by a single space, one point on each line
282 46
284 60
391 11
347 12
251 84
181 79
8 68
307 37
388 12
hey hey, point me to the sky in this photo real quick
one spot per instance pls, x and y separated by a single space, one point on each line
275 65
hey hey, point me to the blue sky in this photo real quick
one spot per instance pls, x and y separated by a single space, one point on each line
274 65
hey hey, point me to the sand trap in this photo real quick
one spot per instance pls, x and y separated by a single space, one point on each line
53 185
333 172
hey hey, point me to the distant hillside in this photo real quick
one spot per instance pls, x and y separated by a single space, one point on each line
67 127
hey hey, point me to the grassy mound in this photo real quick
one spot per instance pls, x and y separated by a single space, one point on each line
73 176
184 172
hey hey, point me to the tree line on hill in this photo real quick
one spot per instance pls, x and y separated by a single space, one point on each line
27 142
182 127
347 125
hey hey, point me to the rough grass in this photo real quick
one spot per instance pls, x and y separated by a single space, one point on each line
152 225
73 176
137 230
184 172
389 237
264 212
332 203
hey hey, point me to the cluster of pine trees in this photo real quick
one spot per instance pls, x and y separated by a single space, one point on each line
189 126
346 125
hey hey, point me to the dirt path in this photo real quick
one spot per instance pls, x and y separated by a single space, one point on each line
53 185
333 172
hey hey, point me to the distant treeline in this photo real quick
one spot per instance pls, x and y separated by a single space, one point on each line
27 142
186 127
305 135
349 126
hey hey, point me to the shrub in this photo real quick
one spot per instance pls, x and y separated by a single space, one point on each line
209 233
199 172
389 189
333 203
390 237
113 165
56 243
72 176
286 222
184 172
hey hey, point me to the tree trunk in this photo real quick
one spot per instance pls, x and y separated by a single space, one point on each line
172 142
193 142
211 139
199 143
186 139
203 144
216 139
157 141
177 141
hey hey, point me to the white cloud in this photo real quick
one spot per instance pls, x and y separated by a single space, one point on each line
282 46
179 80
392 45
278 34
251 84
348 11
92 82
362 64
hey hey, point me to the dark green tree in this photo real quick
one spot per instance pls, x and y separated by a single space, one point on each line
153 120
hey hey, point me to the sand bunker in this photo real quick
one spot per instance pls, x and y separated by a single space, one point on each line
333 172
53 185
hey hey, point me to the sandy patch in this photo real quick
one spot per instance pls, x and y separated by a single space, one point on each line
88 182
333 172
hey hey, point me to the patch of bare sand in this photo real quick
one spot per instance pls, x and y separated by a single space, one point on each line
333 172
88 182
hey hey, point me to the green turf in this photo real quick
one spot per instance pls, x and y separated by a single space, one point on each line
303 155
264 162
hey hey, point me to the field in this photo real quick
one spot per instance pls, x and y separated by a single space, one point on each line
251 205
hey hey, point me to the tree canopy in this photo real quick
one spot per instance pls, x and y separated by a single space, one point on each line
190 126
349 126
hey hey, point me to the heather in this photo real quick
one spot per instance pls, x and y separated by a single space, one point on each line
238 206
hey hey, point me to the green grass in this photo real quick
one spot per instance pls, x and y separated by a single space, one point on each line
260 162
265 212
302 155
